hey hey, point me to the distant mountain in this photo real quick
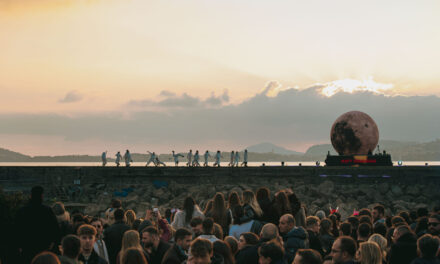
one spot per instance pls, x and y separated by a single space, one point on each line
271 148
11 156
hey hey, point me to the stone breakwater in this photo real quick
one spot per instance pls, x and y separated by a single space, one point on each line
140 188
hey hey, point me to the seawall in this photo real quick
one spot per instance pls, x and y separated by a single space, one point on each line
143 187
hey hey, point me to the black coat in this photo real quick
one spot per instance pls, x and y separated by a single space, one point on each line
296 239
37 229
269 213
93 259
113 239
247 255
404 251
174 256
425 261
157 255
314 242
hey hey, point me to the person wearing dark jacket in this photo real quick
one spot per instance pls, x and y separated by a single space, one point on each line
404 249
113 235
247 249
312 227
153 245
427 246
37 226
176 254
294 237
263 198
271 253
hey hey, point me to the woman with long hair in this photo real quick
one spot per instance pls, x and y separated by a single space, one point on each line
219 213
190 210
222 249
382 243
133 256
129 240
281 205
208 207
251 208
325 235
45 257
247 250
369 253
130 217
233 201
263 199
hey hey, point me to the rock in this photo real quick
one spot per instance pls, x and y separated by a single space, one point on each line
396 190
413 190
326 187
383 188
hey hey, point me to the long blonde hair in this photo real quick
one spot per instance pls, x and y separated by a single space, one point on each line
381 242
370 253
130 239
130 216
249 198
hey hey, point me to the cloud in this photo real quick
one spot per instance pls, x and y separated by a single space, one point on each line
290 118
351 86
166 93
217 100
71 97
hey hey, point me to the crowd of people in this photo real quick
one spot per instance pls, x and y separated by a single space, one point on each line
246 228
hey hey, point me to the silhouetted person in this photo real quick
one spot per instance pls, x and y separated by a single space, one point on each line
127 158
206 156
37 226
104 158
152 158
218 155
118 158
176 158
245 158
189 156
113 235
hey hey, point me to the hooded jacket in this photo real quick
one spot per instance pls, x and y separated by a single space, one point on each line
295 239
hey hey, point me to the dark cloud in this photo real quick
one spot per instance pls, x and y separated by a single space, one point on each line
291 117
71 97
217 100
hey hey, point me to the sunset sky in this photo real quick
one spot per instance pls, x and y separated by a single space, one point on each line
119 58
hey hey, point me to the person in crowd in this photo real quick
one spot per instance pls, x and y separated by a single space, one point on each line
251 208
345 229
113 235
118 159
45 257
218 156
343 250
99 247
404 247
87 236
176 254
369 253
218 231
405 215
421 227
236 159
381 241
133 256
233 201
37 226
325 236
220 213
354 221
208 230
247 249
434 224
380 228
298 210
130 216
104 158
263 198
208 207
196 226
70 250
364 232
195 162
320 214
223 251
307 256
294 237
63 218
200 252
231 162
109 213
152 158
190 210
281 205
269 232
334 230
312 227
130 239
427 247
365 211
238 227
378 214
153 245
233 244
271 253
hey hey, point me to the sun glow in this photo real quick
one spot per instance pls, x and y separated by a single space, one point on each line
351 86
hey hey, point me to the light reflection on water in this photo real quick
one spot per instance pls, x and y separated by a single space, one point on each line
183 164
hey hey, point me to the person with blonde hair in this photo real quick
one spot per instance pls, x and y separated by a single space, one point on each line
252 210
369 253
130 216
130 239
381 242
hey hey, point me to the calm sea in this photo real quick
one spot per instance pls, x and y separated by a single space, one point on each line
182 164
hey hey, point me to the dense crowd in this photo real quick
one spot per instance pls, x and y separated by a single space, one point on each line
245 228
